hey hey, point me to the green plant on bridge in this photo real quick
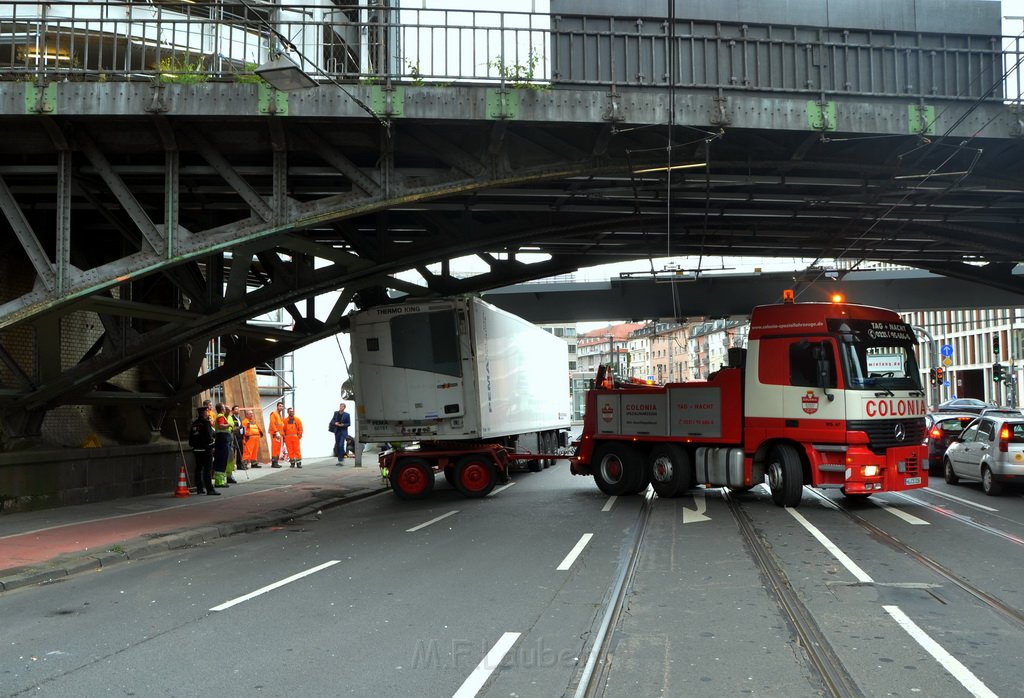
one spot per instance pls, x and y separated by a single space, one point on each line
519 75
414 72
181 70
247 75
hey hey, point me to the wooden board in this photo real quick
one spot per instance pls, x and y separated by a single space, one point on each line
242 390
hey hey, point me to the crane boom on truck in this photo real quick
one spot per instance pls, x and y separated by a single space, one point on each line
467 389
825 394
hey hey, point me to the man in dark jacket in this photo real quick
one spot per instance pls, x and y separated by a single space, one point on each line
200 439
340 423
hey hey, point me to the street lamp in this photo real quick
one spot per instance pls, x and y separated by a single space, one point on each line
284 75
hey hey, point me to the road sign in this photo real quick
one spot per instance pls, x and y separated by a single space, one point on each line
947 361
946 350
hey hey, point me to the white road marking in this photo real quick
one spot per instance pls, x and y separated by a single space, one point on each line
432 521
476 680
270 587
694 516
961 673
575 552
954 498
496 490
609 504
843 558
909 518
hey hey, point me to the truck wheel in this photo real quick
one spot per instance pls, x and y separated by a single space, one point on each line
785 476
537 464
549 447
475 475
670 470
989 484
616 468
412 478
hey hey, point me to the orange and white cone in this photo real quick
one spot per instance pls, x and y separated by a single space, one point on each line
182 490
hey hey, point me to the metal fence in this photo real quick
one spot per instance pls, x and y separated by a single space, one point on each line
171 41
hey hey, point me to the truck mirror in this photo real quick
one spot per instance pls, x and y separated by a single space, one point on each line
822 354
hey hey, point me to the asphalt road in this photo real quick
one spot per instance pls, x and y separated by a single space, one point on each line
502 597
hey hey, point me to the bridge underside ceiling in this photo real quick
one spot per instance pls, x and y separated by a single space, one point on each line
163 229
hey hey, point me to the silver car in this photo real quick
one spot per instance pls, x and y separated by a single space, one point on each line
990 449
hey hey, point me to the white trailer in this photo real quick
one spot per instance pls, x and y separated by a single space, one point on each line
474 386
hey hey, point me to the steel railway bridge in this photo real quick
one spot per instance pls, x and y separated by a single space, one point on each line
156 194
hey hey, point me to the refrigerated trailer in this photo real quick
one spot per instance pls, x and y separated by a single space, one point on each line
459 387
825 394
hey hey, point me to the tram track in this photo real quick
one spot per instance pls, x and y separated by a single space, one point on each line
1013 615
821 658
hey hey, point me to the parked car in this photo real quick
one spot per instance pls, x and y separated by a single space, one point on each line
943 429
964 404
990 449
1004 411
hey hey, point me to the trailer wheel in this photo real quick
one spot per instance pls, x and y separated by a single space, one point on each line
547 442
475 475
535 465
785 476
412 478
671 470
617 468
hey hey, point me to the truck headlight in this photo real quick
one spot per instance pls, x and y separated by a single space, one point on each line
870 470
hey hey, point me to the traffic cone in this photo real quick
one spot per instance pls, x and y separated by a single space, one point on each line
182 490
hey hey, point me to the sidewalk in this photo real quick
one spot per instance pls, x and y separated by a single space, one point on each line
39 546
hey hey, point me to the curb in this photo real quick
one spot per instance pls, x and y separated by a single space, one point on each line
63 566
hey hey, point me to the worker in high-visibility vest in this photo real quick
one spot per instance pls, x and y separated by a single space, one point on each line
222 446
292 436
276 434
251 445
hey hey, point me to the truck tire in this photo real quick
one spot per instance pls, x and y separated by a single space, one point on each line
475 475
785 476
617 468
412 478
671 470
535 465
548 441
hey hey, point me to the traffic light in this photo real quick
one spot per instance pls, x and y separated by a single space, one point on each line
997 372
931 375
940 375
995 345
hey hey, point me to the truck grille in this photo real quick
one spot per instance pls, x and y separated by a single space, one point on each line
882 433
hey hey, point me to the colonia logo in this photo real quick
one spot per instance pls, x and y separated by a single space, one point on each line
895 408
809 402
607 412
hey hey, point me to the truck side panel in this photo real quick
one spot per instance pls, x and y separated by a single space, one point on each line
523 374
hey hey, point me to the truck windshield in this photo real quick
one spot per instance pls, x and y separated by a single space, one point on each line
877 355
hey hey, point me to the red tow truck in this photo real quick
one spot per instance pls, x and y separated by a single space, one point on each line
825 394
